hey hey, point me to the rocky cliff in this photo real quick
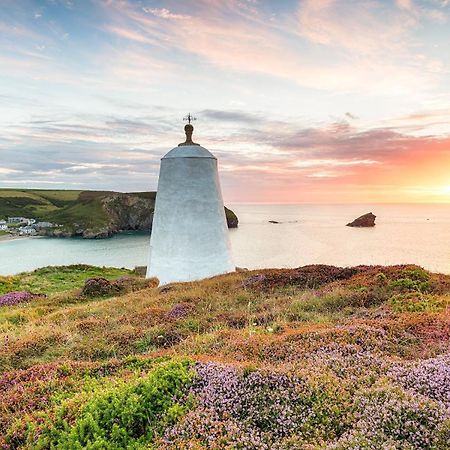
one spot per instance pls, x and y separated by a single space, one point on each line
108 213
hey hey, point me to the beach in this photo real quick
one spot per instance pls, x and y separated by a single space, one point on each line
10 237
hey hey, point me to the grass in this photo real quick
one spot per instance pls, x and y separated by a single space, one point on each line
50 280
341 330
137 323
82 215
58 195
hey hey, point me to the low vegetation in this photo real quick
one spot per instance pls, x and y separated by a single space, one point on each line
37 203
312 358
50 280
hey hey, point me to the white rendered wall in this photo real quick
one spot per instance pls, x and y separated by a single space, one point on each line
189 239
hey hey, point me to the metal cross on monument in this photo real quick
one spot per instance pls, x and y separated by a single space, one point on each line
188 129
189 118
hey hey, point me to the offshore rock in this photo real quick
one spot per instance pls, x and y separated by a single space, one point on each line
232 220
101 233
366 220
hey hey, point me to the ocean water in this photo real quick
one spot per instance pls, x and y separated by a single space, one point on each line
306 234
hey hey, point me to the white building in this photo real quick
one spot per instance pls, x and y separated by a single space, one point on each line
43 225
3 225
27 230
17 219
189 239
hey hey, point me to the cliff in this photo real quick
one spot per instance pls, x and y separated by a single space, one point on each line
89 214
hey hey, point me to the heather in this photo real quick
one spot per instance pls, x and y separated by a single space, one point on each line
310 358
14 298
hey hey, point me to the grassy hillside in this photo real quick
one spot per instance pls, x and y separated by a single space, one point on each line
34 203
85 213
311 358
77 212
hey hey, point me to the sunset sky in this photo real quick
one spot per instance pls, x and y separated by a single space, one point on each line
301 100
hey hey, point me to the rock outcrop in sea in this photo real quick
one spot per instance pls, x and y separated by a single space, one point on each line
366 220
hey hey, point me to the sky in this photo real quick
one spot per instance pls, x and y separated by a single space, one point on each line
302 101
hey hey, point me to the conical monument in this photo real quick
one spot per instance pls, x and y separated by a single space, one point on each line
189 239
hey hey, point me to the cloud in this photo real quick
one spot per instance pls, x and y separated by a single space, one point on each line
164 13
262 159
363 26
230 116
300 98
371 48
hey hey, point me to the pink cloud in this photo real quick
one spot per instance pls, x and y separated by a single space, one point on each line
227 36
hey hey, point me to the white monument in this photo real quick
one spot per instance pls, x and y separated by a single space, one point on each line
189 239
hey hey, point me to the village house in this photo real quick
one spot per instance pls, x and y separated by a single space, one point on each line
3 225
43 225
27 230
16 219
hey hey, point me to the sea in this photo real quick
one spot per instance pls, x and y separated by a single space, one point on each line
305 234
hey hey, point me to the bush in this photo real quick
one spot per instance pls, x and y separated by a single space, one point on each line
417 302
124 417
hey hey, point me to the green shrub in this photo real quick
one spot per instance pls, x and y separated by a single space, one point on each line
408 285
412 302
417 274
126 416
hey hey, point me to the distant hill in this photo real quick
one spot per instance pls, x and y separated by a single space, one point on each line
89 214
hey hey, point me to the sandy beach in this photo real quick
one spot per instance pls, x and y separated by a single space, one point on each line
10 237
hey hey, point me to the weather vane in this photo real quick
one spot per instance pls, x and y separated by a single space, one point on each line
189 118
188 129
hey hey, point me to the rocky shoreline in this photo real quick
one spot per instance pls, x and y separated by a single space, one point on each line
122 212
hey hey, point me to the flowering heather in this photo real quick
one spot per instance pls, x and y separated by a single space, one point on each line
177 311
14 298
389 418
349 362
430 377
255 410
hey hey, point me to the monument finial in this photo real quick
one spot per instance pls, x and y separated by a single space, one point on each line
190 118
188 129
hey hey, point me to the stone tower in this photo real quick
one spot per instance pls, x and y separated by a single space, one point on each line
189 239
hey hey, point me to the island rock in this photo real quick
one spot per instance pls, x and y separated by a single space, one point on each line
366 220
